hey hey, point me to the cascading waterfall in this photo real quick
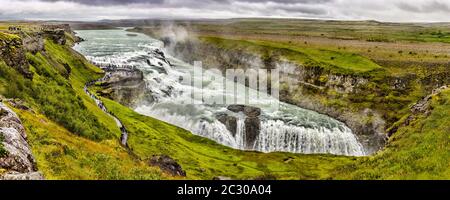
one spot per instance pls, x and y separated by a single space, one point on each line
288 129
240 133
277 136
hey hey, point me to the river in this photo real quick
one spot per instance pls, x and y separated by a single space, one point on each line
286 129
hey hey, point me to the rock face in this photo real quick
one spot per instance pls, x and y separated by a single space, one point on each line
167 164
222 178
229 121
126 86
13 53
22 176
252 122
422 107
58 36
33 42
18 160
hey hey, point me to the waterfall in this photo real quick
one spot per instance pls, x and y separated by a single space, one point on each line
277 136
240 133
288 129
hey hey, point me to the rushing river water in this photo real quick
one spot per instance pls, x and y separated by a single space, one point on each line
286 129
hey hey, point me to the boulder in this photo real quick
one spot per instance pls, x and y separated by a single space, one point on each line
167 164
78 39
33 42
126 86
252 122
252 130
249 111
18 157
22 176
222 178
229 121
19 104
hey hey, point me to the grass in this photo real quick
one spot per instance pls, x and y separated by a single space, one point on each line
418 151
371 31
8 37
53 94
61 155
334 60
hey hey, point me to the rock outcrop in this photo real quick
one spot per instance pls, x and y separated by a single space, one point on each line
18 159
422 107
229 121
222 178
13 53
252 122
58 36
33 42
167 164
22 176
124 85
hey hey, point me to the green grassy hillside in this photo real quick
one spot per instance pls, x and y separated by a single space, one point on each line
73 139
70 136
420 150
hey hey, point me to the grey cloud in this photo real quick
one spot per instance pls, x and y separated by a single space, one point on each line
301 9
427 7
383 10
110 2
288 1
187 3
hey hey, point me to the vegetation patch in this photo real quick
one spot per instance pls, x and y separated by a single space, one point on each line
334 60
8 37
52 92
61 155
417 151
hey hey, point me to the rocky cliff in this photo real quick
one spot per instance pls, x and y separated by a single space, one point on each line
13 48
125 85
13 52
17 161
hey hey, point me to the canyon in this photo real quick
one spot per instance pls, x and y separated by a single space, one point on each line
334 124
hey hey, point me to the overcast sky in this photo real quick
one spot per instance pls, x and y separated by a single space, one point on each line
382 10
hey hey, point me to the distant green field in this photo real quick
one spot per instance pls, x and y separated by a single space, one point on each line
361 30
302 55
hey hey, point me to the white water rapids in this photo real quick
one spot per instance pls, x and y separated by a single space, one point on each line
286 129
